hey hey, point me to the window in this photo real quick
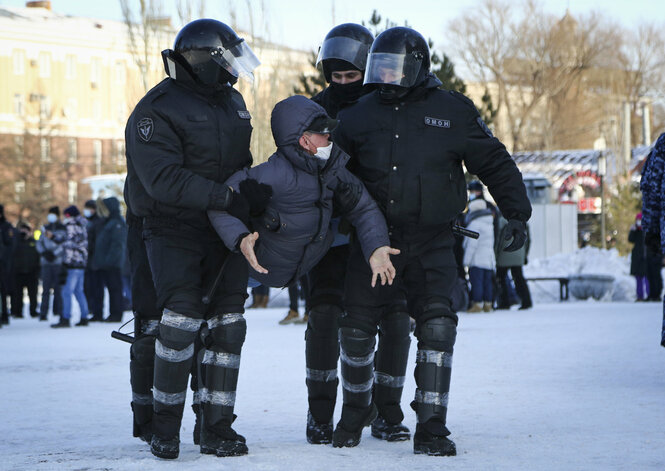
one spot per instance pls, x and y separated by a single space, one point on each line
19 104
97 110
72 187
18 58
71 108
44 107
44 64
70 66
97 155
72 151
19 191
45 149
95 70
18 147
119 72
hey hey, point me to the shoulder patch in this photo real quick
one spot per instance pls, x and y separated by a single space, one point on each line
145 127
484 127
244 114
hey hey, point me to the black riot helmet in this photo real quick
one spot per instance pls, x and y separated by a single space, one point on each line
213 53
345 47
399 57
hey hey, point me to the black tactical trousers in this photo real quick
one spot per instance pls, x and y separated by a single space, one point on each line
184 263
426 272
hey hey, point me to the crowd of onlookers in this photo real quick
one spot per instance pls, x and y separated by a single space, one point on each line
74 254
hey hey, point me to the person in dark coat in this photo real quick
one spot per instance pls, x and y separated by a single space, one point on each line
6 244
109 253
407 141
49 246
185 137
24 270
94 282
343 58
513 261
75 259
305 173
638 259
652 186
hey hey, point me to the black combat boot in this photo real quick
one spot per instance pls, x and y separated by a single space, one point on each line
348 431
82 323
224 441
390 432
318 433
61 323
167 449
426 443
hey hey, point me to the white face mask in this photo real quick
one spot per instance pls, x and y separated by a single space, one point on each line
87 213
51 218
323 153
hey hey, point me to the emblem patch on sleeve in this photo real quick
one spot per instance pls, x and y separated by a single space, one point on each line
436 122
145 127
244 114
484 127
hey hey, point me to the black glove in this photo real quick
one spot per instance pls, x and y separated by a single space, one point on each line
257 195
517 231
652 241
346 197
238 207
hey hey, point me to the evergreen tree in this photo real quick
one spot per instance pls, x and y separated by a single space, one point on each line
310 84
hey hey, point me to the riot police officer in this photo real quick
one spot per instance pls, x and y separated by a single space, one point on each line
184 139
407 141
343 57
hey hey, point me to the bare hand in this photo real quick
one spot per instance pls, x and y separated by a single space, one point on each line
381 265
247 249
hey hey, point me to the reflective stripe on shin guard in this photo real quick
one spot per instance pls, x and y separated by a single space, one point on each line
219 365
357 355
391 362
141 373
174 351
433 368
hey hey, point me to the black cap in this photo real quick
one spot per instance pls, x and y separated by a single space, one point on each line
90 204
54 210
322 125
71 211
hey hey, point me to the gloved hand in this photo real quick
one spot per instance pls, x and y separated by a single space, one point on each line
257 195
517 231
238 207
346 197
652 240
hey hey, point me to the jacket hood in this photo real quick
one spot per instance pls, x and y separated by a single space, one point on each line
291 117
112 205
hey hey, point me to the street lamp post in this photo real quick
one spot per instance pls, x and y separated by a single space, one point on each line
601 175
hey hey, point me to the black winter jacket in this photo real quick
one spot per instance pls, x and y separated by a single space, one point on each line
409 154
182 143
111 241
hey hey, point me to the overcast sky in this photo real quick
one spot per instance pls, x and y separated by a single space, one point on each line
302 24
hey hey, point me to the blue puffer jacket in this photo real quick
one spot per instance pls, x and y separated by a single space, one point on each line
294 232
653 191
111 241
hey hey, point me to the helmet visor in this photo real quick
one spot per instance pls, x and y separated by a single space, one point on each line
238 60
392 69
346 49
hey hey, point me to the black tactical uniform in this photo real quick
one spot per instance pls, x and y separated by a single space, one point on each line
6 244
345 48
184 139
407 141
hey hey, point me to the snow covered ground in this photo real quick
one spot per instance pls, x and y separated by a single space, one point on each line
564 386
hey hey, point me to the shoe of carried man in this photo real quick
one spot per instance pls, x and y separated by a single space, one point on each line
348 435
426 443
318 433
290 318
223 442
303 320
168 449
390 432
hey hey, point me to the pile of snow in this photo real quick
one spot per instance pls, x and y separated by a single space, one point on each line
586 261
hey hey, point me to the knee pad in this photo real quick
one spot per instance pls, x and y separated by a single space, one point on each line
322 321
356 343
438 334
177 331
141 369
142 350
227 332
396 325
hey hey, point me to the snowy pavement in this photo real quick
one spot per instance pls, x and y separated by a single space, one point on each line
564 386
